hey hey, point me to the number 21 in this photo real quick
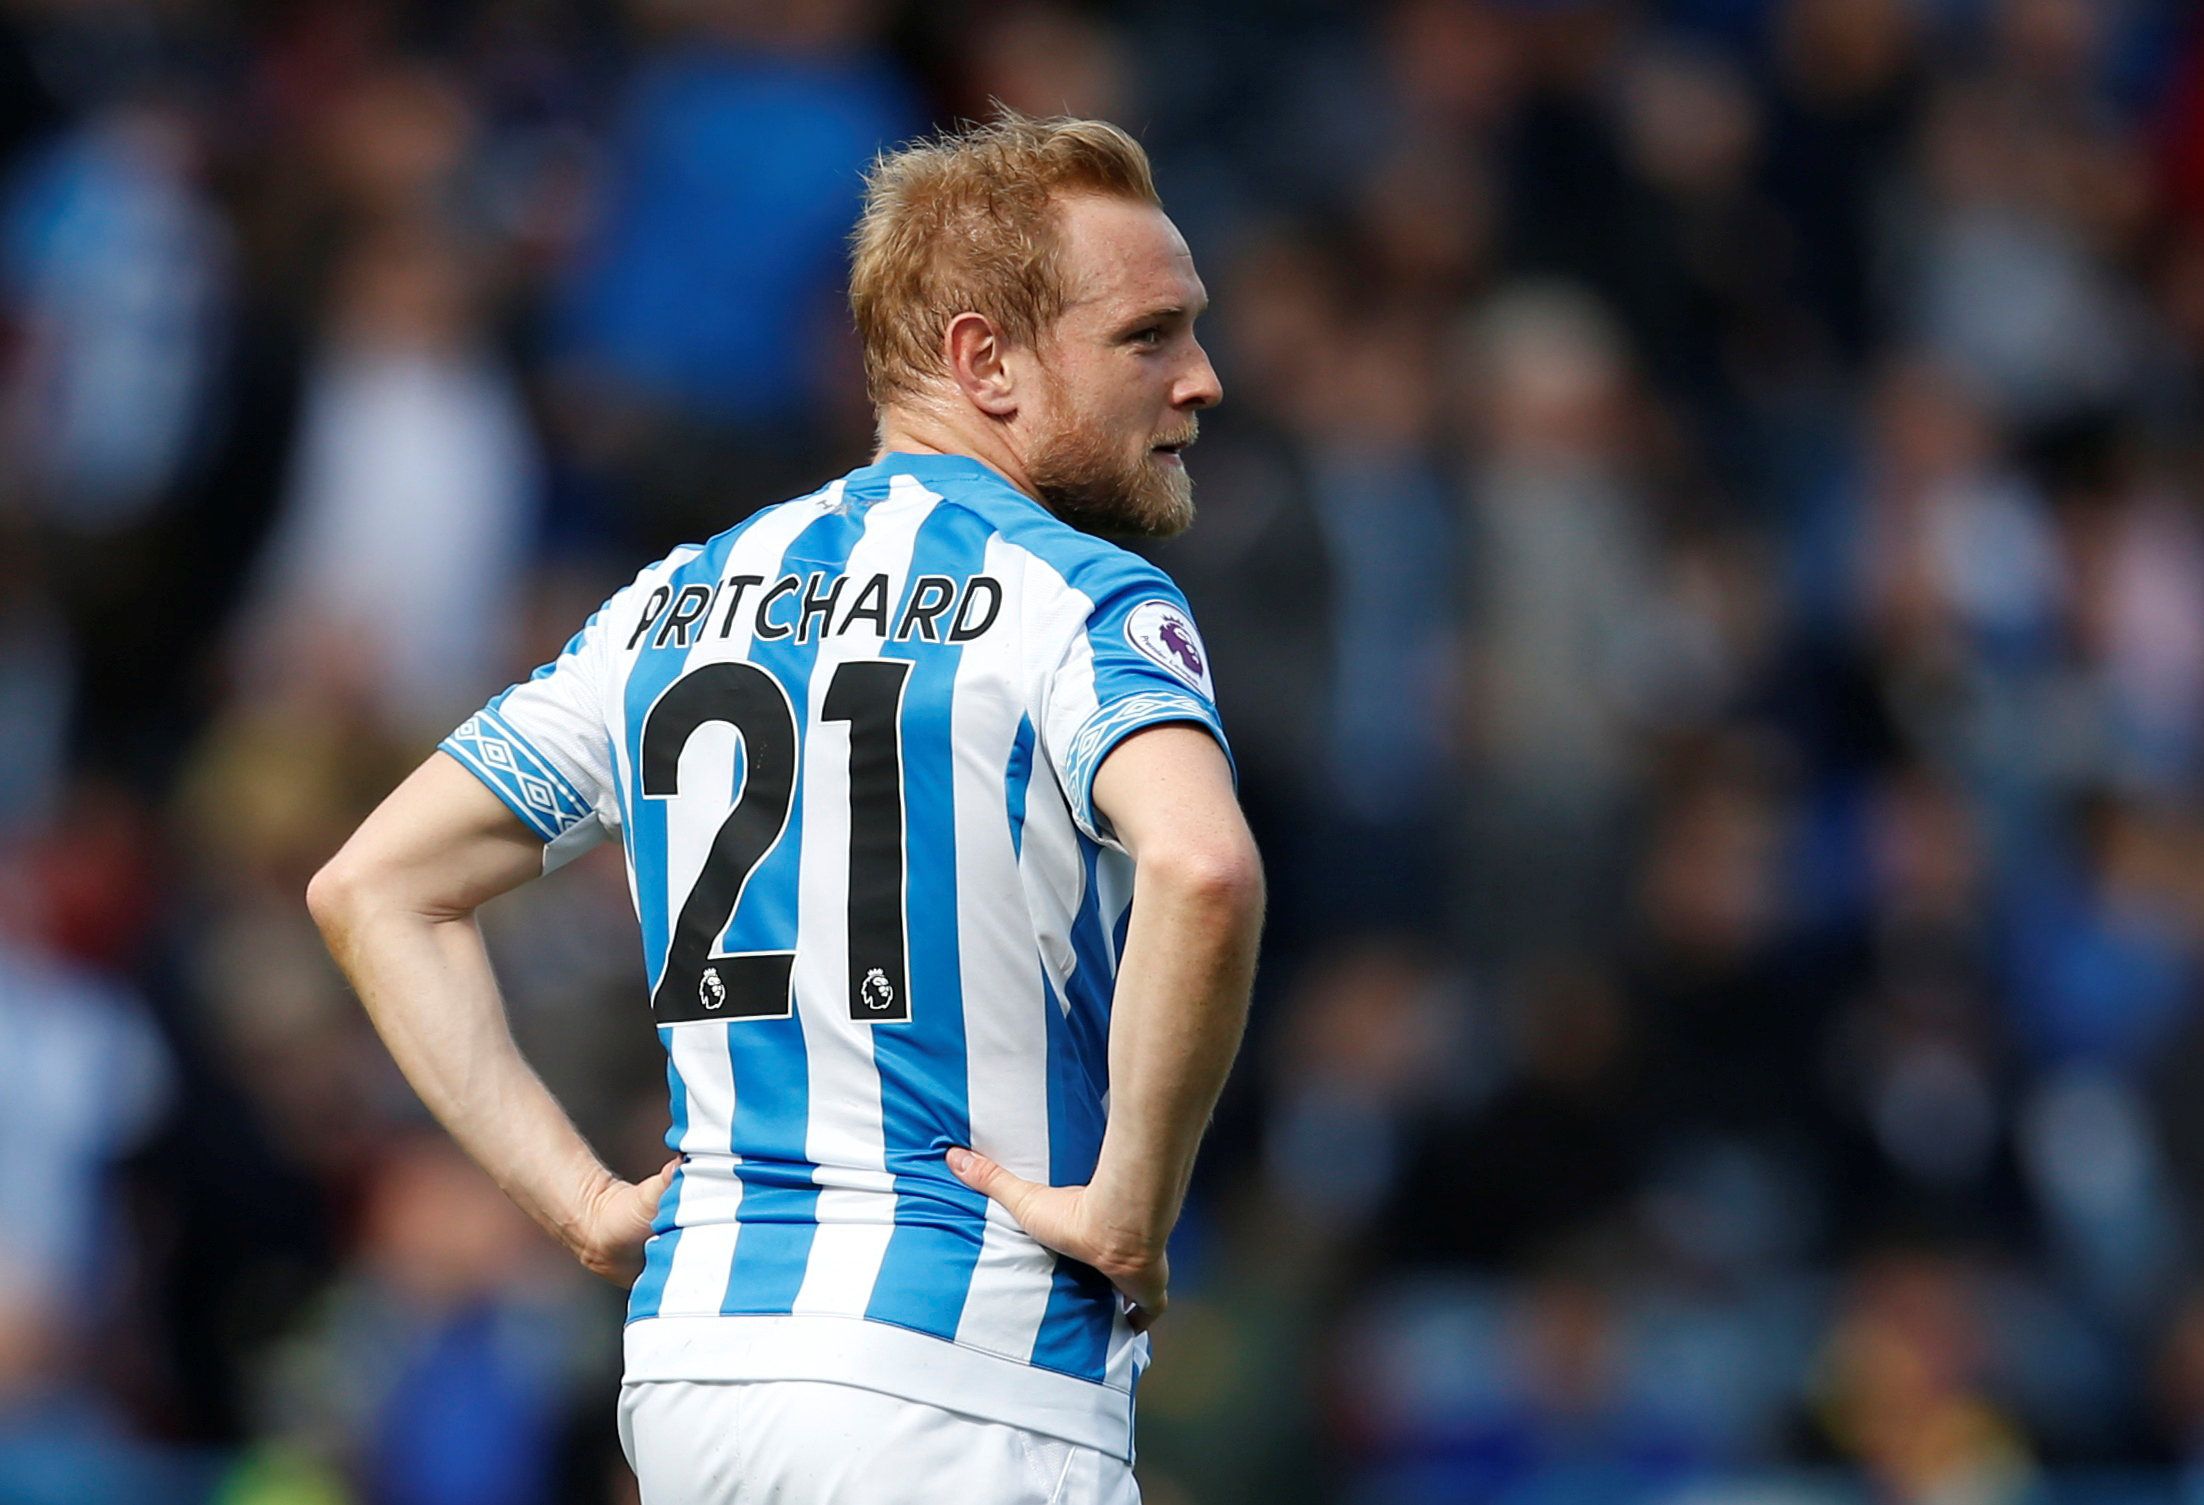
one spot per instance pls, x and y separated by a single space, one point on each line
700 982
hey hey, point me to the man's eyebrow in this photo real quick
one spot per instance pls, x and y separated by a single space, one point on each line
1167 312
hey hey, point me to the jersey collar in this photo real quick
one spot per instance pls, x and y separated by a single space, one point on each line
929 470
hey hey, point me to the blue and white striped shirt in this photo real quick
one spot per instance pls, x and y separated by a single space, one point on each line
850 747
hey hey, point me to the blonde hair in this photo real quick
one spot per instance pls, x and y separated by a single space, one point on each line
965 222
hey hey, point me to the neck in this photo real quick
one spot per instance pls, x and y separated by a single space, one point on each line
908 431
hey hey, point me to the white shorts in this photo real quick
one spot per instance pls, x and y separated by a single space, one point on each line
796 1442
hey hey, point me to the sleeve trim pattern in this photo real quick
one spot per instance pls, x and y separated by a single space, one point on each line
535 790
1112 724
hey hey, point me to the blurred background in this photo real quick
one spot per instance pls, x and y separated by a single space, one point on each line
1704 561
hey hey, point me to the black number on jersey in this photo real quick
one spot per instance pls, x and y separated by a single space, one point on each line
700 982
869 696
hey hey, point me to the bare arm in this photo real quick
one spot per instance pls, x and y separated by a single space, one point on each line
396 906
1175 1024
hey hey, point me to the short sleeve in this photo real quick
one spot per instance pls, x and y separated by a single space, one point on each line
544 747
1136 661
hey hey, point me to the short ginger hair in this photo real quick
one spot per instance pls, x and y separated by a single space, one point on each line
965 222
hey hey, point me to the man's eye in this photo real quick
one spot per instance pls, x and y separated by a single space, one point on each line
1153 335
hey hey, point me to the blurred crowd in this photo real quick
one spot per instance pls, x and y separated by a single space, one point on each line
1703 556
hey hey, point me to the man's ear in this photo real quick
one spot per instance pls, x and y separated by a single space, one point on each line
976 354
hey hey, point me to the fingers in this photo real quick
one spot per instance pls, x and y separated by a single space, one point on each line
1146 1293
1052 1214
973 1168
989 1179
651 1191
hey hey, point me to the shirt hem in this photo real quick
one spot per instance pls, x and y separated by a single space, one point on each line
892 1360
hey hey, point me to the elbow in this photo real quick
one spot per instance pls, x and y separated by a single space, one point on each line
333 893
356 886
1232 880
345 889
1223 877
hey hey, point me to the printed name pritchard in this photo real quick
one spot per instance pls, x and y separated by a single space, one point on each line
935 609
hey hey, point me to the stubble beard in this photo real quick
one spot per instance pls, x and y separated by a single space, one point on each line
1084 479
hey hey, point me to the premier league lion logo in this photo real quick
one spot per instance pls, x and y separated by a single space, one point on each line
1160 630
877 991
1180 641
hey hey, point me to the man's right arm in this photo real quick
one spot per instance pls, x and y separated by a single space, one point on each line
1180 1007
397 906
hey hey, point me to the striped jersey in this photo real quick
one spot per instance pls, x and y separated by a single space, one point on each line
849 746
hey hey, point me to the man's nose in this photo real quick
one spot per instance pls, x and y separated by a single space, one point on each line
1199 387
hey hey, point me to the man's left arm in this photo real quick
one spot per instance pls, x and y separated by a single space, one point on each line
396 906
1179 1008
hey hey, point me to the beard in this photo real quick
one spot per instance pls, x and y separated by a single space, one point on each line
1083 477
